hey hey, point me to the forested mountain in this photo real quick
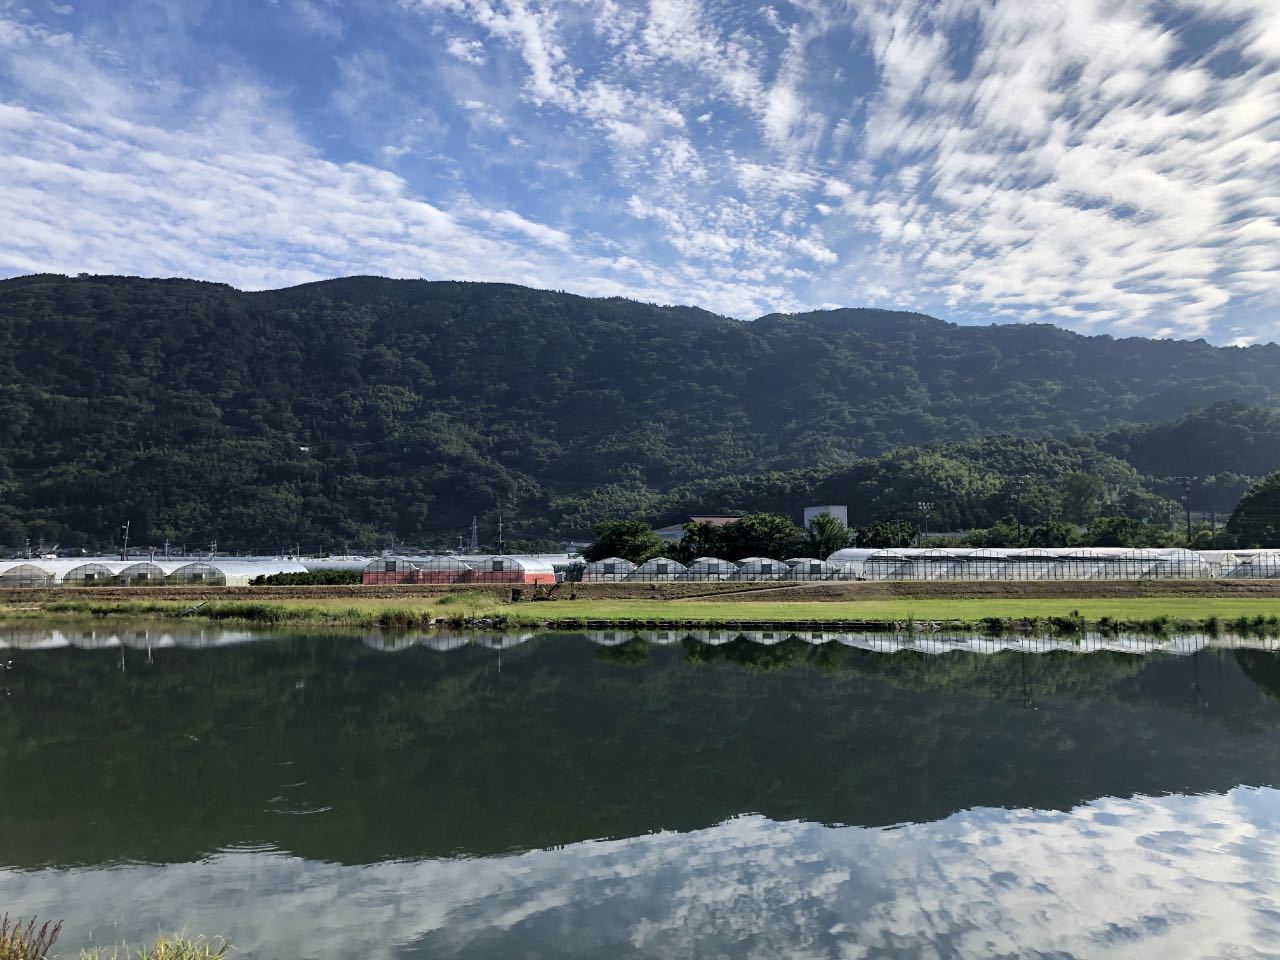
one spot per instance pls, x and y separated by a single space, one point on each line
360 409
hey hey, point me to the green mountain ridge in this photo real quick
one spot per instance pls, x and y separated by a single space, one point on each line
361 410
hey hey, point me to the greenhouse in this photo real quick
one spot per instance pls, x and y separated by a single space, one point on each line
1052 563
146 573
761 568
25 574
199 573
511 570
810 568
230 573
357 564
442 569
1249 565
609 570
95 573
709 568
389 570
659 568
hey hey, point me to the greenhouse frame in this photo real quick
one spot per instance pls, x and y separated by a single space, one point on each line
659 569
761 568
389 570
94 573
608 570
528 570
1054 563
441 569
811 568
709 568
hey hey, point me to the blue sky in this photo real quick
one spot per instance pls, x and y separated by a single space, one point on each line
1112 167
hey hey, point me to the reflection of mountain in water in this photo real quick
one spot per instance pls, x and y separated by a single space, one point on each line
337 751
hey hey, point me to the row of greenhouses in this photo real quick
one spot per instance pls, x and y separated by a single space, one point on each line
1003 564
1078 563
98 572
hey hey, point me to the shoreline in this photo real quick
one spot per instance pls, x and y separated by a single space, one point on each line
1258 615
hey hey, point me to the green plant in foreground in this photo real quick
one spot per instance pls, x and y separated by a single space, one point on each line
26 942
176 947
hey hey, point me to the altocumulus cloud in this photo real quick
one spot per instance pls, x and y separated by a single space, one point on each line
1111 167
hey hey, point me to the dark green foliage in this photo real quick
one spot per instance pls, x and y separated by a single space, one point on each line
366 411
629 539
885 534
755 535
1226 437
1119 532
826 535
1081 496
308 579
1256 521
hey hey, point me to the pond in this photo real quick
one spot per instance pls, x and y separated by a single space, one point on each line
565 795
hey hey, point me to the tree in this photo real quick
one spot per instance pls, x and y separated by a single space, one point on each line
826 535
886 534
1081 494
762 535
1054 534
755 535
1118 532
1255 522
629 539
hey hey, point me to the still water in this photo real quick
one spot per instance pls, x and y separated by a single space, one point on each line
572 796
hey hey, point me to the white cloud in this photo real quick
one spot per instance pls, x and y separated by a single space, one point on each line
1142 878
468 51
1078 160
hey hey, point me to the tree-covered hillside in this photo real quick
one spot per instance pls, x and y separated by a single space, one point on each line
360 409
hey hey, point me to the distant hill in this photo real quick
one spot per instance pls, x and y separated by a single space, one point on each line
363 409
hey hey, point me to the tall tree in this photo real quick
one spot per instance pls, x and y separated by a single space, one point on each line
628 539
826 535
1081 496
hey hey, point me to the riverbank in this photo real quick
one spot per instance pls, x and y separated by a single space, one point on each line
1256 610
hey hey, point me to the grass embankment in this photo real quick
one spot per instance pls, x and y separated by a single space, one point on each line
1258 614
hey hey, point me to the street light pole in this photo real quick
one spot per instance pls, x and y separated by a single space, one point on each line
925 506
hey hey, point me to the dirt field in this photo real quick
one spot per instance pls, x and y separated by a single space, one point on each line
843 592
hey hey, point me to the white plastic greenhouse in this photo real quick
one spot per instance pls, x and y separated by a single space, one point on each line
761 568
441 569
609 570
659 568
1054 563
810 568
709 568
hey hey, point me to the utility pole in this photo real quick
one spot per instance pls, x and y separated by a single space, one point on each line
475 538
501 542
925 506
124 551
1186 500
1016 496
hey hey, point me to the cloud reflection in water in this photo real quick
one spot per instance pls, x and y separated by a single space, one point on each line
1142 877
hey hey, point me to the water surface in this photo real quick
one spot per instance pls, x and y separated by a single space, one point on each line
567 796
